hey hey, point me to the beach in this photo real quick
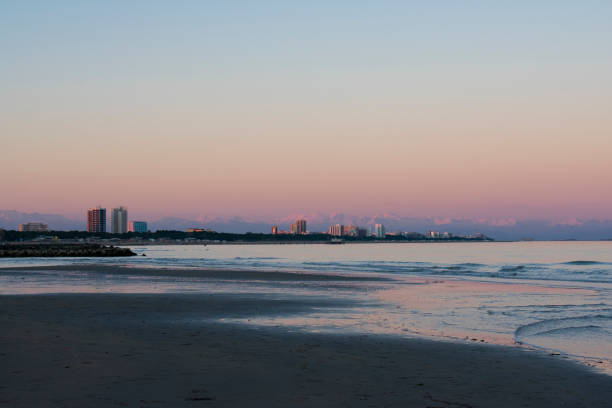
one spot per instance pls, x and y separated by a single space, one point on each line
170 349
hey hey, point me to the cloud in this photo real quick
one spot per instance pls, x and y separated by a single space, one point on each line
570 222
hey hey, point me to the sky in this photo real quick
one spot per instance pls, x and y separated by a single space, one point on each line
267 108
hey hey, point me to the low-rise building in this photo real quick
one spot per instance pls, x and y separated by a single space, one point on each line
195 230
33 227
137 226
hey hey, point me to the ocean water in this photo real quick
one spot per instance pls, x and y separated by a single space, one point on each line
555 296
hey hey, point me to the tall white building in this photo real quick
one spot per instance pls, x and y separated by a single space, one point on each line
336 230
119 221
379 231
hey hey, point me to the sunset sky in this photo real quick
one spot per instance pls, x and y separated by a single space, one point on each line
264 108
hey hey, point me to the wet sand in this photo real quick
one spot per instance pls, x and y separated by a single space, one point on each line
200 273
170 350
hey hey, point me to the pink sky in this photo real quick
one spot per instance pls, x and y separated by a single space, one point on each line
486 161
487 115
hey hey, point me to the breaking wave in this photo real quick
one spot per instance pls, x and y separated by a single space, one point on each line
582 335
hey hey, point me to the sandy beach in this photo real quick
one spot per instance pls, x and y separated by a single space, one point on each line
169 350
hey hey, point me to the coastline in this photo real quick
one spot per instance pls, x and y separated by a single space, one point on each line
190 349
127 242
173 350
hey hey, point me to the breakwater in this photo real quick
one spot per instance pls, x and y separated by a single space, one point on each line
62 250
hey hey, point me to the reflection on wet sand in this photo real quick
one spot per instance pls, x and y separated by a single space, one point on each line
476 310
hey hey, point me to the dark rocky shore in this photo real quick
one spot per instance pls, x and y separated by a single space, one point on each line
61 250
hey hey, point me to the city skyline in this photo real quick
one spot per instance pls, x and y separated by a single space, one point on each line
383 108
502 229
96 223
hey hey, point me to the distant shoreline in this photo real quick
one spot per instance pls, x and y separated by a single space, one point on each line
141 243
213 238
127 243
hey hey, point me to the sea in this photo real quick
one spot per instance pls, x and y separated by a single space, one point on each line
551 296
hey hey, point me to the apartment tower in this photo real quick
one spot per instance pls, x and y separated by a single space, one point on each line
379 231
119 221
96 219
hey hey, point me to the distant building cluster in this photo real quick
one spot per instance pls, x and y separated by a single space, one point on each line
377 231
339 230
438 235
96 221
297 228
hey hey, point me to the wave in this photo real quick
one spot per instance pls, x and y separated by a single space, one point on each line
585 263
509 268
572 330
558 325
254 258
573 271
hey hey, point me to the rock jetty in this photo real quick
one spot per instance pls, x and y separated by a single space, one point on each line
62 250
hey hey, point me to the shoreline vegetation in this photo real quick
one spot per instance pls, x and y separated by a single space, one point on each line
212 237
27 250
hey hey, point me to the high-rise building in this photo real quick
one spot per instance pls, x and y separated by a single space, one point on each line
379 231
96 219
336 230
119 220
299 227
274 229
33 227
137 226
